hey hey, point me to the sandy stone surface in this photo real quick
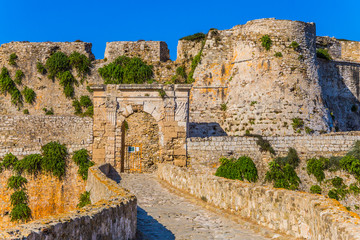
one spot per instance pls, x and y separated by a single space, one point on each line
165 215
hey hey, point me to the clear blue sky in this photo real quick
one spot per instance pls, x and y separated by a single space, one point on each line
105 21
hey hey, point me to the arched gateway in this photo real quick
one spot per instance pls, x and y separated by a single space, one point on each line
148 107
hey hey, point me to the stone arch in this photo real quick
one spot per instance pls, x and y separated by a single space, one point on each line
114 103
141 130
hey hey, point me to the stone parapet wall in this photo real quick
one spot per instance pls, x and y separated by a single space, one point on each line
113 216
297 214
149 51
203 150
24 135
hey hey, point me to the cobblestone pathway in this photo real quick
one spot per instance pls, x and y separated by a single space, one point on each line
165 215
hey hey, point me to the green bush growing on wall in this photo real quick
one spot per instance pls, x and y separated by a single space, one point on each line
89 112
19 75
354 188
297 123
85 101
295 45
9 161
316 167
20 212
77 106
54 155
57 63
323 53
16 182
242 168
278 54
81 63
31 164
67 81
82 160
7 85
351 162
282 171
126 70
48 111
29 95
181 72
12 59
41 68
16 97
194 37
333 194
26 111
337 182
316 189
266 42
84 199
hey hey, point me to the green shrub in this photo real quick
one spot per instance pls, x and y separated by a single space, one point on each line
48 111
89 89
337 182
16 97
309 130
351 164
84 200
9 161
354 188
57 63
85 101
294 45
6 83
19 75
278 54
180 71
20 212
297 123
291 158
54 155
242 168
194 37
67 81
26 111
323 53
316 167
81 63
18 197
333 164
223 107
333 194
29 95
89 112
196 60
316 189
40 68
76 104
12 59
126 70
264 144
82 160
266 42
162 93
282 176
16 182
31 163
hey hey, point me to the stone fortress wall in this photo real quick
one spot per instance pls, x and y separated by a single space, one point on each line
239 86
25 135
112 215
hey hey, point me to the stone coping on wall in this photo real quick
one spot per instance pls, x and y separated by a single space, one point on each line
102 87
299 214
112 216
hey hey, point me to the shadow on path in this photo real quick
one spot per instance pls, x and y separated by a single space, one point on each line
149 228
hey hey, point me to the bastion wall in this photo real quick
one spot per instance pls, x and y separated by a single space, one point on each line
112 215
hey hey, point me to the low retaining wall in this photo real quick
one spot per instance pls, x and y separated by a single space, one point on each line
209 150
112 216
297 214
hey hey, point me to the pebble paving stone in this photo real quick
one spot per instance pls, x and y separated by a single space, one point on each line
165 215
